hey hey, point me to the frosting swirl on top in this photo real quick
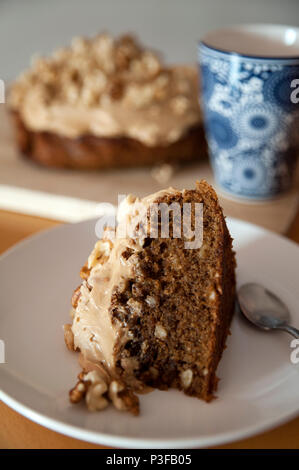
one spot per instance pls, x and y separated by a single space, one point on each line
110 88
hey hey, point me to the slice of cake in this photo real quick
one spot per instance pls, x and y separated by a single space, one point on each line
155 306
107 102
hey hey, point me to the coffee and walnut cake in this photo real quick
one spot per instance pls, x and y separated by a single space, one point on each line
152 311
107 102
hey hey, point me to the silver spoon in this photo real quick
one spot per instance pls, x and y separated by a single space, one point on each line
264 309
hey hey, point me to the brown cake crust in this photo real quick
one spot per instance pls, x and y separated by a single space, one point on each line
92 152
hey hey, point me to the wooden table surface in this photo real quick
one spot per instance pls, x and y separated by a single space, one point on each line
18 432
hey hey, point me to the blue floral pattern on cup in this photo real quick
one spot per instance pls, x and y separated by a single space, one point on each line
251 123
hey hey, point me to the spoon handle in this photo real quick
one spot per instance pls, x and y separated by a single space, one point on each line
290 329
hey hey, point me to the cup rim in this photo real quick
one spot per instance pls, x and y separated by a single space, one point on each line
244 27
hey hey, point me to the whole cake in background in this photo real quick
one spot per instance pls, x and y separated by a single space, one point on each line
106 102
152 311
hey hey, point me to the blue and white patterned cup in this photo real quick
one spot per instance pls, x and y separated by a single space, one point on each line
250 99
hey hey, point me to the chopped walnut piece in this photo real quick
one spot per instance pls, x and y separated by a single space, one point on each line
161 84
146 66
151 63
127 253
76 296
116 89
135 306
84 273
186 378
180 104
122 398
79 45
160 332
151 301
139 95
100 253
126 50
96 389
78 392
212 295
95 400
69 337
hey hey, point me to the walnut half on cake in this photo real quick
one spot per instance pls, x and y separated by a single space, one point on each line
107 102
154 309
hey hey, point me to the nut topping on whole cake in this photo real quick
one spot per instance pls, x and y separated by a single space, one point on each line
107 87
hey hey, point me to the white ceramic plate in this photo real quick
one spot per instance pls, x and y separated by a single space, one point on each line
258 387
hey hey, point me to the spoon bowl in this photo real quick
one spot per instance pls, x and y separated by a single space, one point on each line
264 309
